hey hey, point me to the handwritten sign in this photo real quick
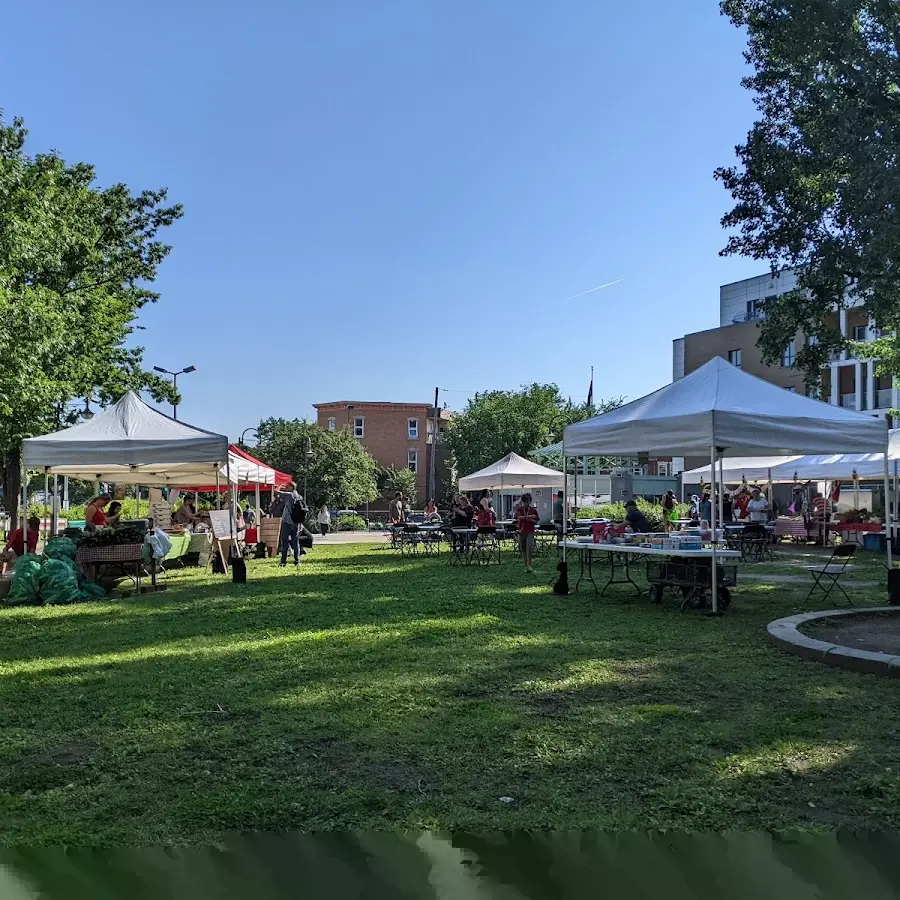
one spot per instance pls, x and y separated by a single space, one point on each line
220 522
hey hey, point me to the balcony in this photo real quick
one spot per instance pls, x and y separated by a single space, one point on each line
848 401
883 398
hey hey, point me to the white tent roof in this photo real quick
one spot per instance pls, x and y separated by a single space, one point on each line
720 405
130 443
824 467
510 472
738 468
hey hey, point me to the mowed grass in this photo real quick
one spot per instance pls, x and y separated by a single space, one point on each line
371 691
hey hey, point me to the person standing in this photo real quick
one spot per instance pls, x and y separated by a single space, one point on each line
758 508
526 517
94 517
396 510
19 542
324 519
289 526
558 509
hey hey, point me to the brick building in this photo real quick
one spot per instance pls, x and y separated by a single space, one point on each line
397 435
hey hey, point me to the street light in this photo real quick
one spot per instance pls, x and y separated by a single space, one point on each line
185 371
251 428
308 456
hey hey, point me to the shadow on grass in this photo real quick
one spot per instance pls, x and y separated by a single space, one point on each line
378 695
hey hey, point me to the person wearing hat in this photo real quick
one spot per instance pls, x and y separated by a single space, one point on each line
636 519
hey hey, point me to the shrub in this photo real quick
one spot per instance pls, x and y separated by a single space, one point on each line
351 523
616 512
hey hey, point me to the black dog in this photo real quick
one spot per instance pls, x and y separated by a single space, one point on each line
561 585
893 586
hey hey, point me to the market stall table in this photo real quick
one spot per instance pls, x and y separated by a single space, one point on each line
857 530
461 543
619 558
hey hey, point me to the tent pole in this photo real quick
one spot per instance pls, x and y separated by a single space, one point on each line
721 492
218 494
712 512
565 521
887 508
24 522
46 491
54 518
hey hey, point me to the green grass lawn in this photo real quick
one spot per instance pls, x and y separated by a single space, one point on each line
369 691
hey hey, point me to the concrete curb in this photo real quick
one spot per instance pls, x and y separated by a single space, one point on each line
786 634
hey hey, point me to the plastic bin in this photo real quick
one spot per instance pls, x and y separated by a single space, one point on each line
873 541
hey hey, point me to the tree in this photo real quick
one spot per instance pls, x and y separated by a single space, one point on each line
403 480
497 422
333 464
819 179
75 264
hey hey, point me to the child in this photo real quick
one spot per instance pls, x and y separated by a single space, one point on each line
526 517
16 544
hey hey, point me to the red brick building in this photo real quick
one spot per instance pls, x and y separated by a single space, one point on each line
397 435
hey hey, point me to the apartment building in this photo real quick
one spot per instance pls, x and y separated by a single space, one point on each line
397 435
847 381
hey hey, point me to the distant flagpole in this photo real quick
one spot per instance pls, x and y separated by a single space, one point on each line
590 399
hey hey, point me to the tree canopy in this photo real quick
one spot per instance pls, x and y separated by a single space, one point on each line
76 262
337 469
818 182
497 422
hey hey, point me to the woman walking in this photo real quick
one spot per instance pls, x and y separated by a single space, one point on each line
324 519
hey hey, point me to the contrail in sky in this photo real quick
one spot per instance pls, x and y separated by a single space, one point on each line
591 290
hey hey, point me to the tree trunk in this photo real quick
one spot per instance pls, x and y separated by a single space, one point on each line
12 481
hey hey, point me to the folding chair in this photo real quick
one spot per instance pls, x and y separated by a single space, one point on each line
831 572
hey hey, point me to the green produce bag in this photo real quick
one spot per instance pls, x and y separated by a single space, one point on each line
61 548
59 581
91 591
25 587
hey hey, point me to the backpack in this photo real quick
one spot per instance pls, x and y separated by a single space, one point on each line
298 512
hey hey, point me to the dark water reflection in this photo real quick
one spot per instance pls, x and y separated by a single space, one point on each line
461 866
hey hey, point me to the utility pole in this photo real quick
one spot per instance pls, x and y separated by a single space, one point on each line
434 439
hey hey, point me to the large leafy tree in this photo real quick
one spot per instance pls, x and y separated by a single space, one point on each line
76 261
497 422
333 464
818 182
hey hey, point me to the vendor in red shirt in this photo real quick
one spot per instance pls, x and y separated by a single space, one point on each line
485 519
17 542
526 517
94 517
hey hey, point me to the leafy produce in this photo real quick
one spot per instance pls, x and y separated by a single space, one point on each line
25 587
113 537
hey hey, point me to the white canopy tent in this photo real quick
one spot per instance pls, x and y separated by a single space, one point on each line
513 471
821 467
737 469
724 412
130 443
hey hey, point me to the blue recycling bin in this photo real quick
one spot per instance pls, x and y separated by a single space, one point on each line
874 542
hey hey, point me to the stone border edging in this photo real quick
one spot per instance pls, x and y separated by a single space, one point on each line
786 633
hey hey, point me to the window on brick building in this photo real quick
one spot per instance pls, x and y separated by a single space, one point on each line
359 426
662 468
332 424
412 429
734 357
412 460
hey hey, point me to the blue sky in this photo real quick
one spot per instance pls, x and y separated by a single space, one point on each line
381 198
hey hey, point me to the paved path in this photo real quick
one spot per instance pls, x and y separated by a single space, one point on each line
350 537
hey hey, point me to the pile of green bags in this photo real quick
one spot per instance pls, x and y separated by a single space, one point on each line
54 578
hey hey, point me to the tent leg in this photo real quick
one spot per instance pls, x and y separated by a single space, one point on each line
565 521
715 575
721 491
54 516
44 518
218 495
887 508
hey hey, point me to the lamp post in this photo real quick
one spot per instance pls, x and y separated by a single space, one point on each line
307 457
241 440
185 371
